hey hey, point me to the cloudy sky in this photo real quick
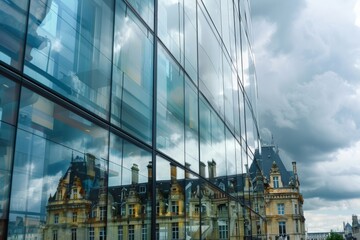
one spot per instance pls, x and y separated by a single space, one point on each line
308 68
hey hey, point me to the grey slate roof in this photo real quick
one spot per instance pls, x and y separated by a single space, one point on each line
269 154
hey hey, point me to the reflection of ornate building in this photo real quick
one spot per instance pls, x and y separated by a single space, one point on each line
283 200
81 209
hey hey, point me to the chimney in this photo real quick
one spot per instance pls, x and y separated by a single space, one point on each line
212 169
149 166
294 168
173 173
90 164
187 173
134 174
202 169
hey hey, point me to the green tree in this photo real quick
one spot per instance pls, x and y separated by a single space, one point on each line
334 236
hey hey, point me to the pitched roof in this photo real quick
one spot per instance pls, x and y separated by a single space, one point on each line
265 160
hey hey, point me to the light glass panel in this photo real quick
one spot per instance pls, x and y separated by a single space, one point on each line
132 75
59 173
170 107
13 16
74 56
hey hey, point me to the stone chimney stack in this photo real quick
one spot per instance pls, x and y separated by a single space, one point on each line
202 169
187 173
149 167
173 172
134 174
294 168
212 169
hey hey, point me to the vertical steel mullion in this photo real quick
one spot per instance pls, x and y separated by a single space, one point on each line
153 183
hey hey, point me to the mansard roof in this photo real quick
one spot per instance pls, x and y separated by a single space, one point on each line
269 155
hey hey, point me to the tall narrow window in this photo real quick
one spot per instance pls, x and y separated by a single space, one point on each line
175 230
276 182
91 233
281 208
102 234
102 213
55 235
282 228
73 234
296 211
174 207
131 232
56 218
223 231
144 232
74 216
120 232
131 210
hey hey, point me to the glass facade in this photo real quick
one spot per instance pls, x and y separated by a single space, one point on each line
127 119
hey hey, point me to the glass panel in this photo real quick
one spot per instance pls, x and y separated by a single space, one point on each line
191 127
74 58
130 191
228 94
133 75
146 10
170 107
213 7
210 65
60 171
230 163
190 39
171 27
214 210
191 201
12 32
170 200
9 93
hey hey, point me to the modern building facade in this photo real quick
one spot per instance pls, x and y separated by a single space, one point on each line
128 119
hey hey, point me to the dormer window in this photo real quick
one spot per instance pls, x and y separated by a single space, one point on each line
75 193
276 182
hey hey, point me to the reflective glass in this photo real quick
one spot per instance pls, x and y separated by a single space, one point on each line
191 127
130 189
170 200
9 93
132 75
214 211
190 39
171 27
210 65
75 49
229 91
12 33
170 107
59 174
146 10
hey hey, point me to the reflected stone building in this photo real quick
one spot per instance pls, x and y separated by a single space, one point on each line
128 119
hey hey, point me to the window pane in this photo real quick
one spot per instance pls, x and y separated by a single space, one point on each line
190 39
191 127
12 32
146 10
129 185
170 107
60 160
171 27
74 57
210 65
133 75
